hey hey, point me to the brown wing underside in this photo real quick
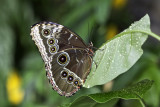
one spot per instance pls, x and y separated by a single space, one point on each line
65 41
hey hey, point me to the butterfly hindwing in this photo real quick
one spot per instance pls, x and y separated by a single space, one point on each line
69 69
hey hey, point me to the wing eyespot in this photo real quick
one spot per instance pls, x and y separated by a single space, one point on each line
70 78
53 49
76 83
51 41
46 32
64 74
62 59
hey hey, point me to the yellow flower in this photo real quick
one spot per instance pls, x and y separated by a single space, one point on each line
117 4
15 94
112 30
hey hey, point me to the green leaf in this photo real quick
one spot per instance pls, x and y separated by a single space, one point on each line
118 55
133 92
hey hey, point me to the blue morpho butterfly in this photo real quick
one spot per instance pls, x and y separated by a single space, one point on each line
67 58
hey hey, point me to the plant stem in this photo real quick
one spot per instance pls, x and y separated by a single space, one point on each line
142 103
141 100
140 31
154 35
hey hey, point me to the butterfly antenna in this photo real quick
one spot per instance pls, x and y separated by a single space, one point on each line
89 33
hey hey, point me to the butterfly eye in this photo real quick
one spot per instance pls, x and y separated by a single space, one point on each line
64 74
62 59
70 78
51 41
46 32
52 49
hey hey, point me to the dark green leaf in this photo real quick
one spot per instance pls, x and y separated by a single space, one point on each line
133 92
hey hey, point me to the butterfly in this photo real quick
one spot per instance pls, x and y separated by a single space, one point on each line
67 58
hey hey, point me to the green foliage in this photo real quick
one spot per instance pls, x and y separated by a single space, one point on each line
133 92
90 12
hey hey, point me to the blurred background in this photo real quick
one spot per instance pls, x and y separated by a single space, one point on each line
23 79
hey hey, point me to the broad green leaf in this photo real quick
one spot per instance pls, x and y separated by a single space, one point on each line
118 55
133 92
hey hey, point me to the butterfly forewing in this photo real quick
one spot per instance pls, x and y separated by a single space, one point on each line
51 38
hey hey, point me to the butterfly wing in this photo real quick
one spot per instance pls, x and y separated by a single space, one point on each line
68 70
51 38
65 55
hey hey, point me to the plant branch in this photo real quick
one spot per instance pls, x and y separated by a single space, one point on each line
146 32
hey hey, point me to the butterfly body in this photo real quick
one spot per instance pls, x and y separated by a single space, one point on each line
67 58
